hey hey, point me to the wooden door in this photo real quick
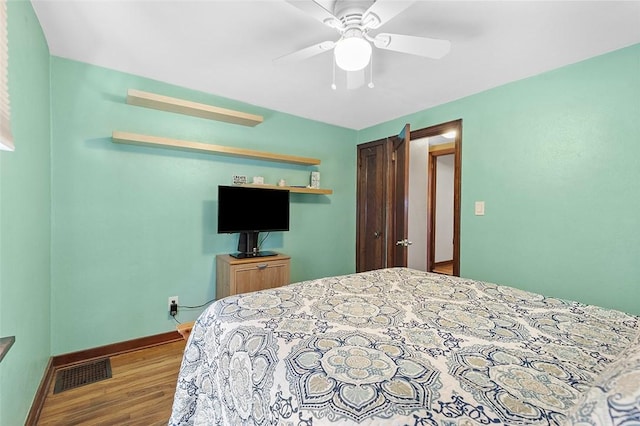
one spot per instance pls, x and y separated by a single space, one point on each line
371 218
398 243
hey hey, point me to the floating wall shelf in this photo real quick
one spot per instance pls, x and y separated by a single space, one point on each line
5 345
298 189
160 142
180 106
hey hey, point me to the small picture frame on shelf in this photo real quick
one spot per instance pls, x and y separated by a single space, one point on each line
315 180
239 179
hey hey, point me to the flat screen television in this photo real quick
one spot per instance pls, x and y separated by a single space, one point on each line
249 211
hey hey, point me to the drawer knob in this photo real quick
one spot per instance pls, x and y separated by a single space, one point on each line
262 266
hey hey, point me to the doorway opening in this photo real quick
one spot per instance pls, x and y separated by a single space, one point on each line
389 196
434 198
441 209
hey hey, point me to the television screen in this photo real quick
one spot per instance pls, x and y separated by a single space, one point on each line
244 209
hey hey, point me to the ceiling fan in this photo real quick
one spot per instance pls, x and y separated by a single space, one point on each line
353 20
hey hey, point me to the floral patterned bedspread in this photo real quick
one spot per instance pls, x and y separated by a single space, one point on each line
397 347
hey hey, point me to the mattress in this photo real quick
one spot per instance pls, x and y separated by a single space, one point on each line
395 346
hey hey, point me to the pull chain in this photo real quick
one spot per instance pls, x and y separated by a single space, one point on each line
371 85
333 82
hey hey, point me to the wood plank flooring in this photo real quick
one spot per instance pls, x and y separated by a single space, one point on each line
443 268
140 392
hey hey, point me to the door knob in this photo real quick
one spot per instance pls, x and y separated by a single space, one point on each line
376 234
405 243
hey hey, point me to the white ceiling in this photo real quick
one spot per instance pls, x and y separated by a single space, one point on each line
227 48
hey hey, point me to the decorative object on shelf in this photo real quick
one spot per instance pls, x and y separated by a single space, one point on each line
180 106
160 142
239 179
282 182
258 180
315 180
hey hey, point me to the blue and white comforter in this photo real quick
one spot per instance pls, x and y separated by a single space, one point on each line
397 347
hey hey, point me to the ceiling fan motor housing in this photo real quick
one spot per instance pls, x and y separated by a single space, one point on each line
350 13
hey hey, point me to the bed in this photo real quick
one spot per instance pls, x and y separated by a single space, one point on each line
403 347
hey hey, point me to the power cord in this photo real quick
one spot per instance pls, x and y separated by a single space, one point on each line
263 240
197 306
174 309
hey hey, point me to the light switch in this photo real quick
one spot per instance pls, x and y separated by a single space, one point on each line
479 208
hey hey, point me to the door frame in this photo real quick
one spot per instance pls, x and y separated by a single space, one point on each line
393 210
432 202
455 125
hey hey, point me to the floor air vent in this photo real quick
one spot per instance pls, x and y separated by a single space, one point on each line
82 374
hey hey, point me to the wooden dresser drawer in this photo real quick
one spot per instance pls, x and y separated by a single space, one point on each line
234 276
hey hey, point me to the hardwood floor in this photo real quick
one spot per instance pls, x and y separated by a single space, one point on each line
140 392
443 267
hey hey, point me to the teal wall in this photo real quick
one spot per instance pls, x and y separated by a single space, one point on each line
132 226
25 218
556 159
95 236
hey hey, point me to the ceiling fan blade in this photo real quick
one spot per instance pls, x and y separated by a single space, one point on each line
421 46
355 79
382 11
318 12
305 53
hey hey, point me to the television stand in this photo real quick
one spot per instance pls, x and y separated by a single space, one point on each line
235 276
253 254
248 246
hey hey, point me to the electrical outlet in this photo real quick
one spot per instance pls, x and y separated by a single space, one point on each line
172 300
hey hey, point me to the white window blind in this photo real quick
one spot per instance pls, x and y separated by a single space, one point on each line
6 139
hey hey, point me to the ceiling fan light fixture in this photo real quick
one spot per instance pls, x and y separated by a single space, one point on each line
352 53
